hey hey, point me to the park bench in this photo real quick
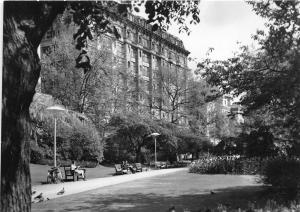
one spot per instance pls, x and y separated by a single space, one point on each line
71 173
157 164
54 175
120 170
163 165
138 167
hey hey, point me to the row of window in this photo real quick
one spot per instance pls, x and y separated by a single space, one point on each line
145 41
146 58
144 24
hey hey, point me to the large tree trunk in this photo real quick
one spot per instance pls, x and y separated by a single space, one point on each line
24 26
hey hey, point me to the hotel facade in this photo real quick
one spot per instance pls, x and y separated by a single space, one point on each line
151 65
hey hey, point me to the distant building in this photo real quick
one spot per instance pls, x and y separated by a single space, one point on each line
223 118
144 56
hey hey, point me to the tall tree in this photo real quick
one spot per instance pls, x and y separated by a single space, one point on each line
25 24
96 93
174 92
199 94
267 79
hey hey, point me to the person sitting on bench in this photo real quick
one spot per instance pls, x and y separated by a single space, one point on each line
76 169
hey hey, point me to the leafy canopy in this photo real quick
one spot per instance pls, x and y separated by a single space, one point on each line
267 79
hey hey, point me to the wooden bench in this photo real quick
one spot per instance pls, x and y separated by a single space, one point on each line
120 170
157 164
138 167
163 165
74 175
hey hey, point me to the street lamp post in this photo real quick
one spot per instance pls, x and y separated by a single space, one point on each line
55 108
154 135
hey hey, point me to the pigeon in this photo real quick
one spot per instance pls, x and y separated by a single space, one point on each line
48 198
227 205
211 192
172 209
39 196
61 192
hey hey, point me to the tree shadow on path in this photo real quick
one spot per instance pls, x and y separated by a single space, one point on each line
233 197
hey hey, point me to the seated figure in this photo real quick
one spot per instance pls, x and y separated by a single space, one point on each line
77 170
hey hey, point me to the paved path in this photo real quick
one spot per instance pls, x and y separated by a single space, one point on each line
50 190
159 192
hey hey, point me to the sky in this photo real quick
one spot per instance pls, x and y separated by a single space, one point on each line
222 25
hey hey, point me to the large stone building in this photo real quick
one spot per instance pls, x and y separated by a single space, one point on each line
151 62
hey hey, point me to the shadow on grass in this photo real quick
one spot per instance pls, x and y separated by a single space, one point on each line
233 198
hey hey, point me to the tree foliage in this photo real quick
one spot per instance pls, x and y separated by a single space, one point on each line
130 139
96 93
77 137
267 79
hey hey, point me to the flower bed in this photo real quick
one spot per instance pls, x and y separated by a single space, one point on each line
228 165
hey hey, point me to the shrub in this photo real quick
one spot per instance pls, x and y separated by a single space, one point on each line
88 164
228 165
36 153
214 165
77 137
43 161
283 173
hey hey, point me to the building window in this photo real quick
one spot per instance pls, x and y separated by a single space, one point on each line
114 48
132 68
157 48
224 111
153 45
135 37
128 34
144 71
146 42
171 56
146 58
225 102
134 53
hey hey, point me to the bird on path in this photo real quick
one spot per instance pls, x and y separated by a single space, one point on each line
212 192
61 192
172 209
39 196
48 198
227 205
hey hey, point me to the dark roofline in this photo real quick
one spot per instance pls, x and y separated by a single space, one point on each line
150 32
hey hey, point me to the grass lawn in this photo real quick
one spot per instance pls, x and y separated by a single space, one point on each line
39 172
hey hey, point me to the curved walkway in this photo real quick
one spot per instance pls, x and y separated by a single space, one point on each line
50 190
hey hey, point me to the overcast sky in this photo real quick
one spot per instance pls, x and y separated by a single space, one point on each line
222 24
